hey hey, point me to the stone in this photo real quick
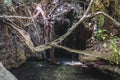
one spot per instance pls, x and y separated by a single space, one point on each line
5 74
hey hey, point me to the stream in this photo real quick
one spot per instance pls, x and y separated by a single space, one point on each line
63 70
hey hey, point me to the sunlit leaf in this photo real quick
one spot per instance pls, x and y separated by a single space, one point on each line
105 45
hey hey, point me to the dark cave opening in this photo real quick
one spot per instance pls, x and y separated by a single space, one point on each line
77 40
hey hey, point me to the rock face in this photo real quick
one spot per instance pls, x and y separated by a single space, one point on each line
13 50
12 53
5 74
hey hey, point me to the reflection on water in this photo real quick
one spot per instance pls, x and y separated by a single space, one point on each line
35 70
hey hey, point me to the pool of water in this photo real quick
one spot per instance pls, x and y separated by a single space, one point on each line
37 70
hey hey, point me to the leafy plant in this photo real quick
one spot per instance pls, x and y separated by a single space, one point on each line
115 49
102 34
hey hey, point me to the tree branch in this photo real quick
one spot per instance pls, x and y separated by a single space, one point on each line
106 15
14 17
74 51
28 40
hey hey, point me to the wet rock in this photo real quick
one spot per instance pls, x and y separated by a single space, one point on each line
5 74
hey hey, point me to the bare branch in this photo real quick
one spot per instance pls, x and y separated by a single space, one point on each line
74 50
106 15
14 17
42 12
28 40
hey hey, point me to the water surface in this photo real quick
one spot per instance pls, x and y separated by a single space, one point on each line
36 70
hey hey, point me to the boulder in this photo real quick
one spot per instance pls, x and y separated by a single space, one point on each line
5 74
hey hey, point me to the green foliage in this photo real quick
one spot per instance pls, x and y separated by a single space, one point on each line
101 34
115 49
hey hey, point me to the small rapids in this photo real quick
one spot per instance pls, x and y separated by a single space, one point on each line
71 63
